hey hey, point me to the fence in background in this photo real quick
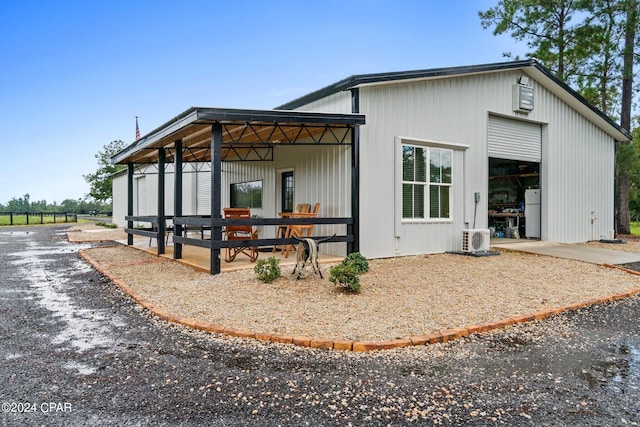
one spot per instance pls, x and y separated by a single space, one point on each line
27 218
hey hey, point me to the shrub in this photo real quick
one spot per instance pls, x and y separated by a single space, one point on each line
268 270
107 225
357 261
346 276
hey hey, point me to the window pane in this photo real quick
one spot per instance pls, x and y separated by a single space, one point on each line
421 165
418 201
446 166
439 202
287 192
444 202
434 166
408 161
407 201
434 201
246 195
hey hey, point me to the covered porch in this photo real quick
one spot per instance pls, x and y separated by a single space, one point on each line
217 136
198 258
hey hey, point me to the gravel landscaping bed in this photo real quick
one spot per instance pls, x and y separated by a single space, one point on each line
400 297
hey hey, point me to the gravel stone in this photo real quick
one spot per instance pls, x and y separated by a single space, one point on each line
400 297
70 336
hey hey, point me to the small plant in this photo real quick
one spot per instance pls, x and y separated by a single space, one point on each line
268 270
357 261
346 276
107 225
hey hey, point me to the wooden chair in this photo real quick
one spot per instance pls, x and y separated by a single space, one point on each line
302 230
240 232
283 230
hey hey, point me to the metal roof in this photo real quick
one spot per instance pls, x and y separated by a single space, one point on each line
531 66
245 132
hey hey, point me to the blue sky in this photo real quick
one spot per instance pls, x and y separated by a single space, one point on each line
76 73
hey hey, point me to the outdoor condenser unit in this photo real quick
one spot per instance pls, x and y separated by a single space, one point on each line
474 240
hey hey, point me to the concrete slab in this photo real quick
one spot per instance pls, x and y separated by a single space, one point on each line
570 251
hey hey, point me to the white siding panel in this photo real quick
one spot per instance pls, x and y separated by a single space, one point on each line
203 193
337 103
140 206
577 159
119 189
514 139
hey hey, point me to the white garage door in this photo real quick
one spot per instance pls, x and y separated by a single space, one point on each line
141 196
203 193
514 139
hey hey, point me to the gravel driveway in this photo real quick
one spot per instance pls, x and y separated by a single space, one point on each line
75 351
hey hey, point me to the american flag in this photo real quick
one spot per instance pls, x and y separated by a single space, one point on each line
137 129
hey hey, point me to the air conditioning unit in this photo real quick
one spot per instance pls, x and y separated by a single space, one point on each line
475 240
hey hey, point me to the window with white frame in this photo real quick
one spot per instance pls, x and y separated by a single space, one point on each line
426 182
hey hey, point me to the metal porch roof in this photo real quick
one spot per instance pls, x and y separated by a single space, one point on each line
244 131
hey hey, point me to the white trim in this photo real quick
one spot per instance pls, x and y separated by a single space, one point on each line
432 143
399 141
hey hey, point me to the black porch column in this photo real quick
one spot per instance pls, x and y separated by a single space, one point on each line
216 193
130 201
177 197
355 175
161 215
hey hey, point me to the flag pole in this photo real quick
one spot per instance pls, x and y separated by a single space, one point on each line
137 129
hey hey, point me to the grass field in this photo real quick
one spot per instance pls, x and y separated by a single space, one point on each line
635 228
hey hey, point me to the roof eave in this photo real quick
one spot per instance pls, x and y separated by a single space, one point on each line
563 91
200 115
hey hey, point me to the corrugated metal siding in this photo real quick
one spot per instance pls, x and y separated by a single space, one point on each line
140 206
119 191
337 103
577 175
577 159
203 193
514 139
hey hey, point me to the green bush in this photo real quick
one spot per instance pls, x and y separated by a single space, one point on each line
107 225
268 270
346 276
357 261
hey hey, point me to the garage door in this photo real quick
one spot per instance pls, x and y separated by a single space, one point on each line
514 139
203 193
141 196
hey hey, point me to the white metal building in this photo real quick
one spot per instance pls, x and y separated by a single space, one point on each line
442 151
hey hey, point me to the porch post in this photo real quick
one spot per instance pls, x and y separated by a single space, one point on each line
355 175
177 197
161 215
130 201
216 193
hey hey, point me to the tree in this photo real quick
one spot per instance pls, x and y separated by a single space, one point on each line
101 181
628 157
546 26
589 44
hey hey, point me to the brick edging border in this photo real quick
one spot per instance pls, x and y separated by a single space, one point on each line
357 346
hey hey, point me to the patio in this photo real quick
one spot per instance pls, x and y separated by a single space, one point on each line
198 257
